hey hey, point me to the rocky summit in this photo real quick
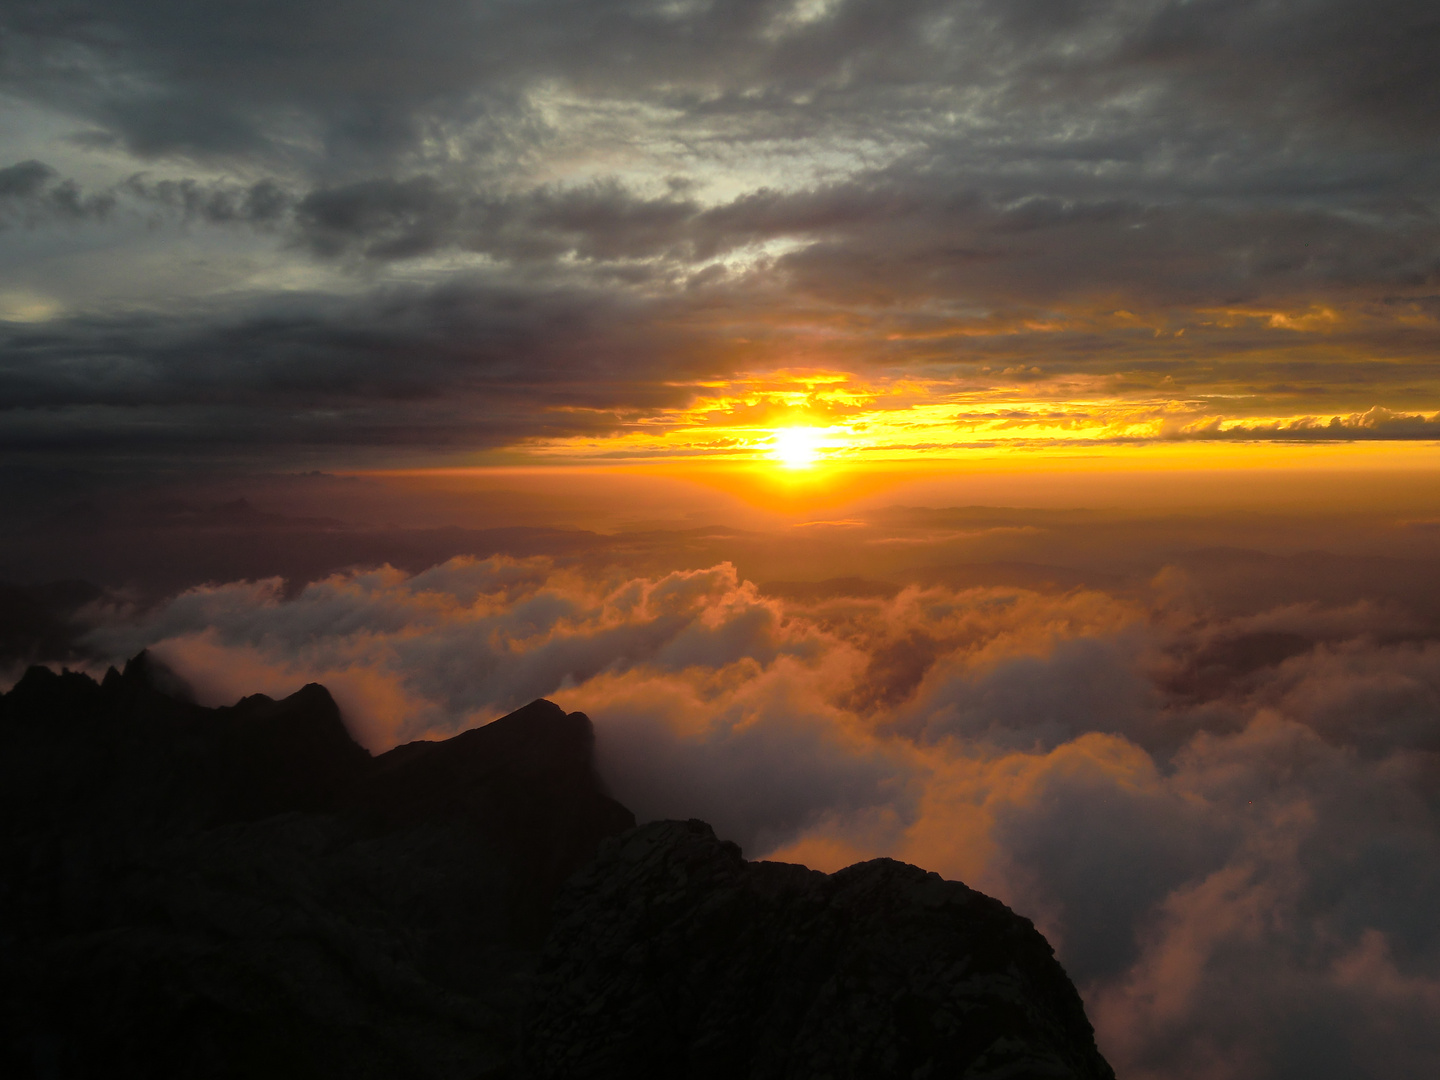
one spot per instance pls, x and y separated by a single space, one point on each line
245 892
673 956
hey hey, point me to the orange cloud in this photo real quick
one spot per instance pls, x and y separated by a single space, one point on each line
1224 824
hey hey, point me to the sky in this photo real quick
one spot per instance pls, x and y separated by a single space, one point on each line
998 434
462 232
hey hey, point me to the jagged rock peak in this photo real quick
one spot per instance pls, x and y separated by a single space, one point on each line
673 956
245 891
312 911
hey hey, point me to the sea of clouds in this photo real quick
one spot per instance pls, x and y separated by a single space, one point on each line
1229 827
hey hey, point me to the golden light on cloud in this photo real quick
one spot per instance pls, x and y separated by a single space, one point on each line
803 420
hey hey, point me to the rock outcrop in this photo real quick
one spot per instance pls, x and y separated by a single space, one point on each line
673 956
245 892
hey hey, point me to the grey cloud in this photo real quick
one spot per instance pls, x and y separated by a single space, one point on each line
26 187
38 191
1297 916
761 784
1102 855
24 179
193 121
907 170
392 219
1086 684
902 238
892 237
386 219
1368 63
399 356
747 60
264 202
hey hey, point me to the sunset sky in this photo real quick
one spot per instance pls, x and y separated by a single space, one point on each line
999 434
467 232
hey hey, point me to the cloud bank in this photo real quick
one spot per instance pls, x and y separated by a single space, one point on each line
1226 824
340 224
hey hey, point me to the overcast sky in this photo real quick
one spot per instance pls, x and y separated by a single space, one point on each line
325 228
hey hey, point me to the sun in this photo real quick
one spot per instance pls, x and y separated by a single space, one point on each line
796 447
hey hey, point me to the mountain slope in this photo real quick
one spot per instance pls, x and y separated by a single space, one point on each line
245 892
673 956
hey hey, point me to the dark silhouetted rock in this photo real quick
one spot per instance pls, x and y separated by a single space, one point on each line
245 892
672 956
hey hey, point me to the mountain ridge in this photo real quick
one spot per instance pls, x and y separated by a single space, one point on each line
242 891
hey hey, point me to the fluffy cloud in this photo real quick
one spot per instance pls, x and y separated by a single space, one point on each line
1226 824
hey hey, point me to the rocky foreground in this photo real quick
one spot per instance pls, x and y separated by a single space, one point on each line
245 892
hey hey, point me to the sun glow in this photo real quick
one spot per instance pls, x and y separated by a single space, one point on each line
797 447
796 425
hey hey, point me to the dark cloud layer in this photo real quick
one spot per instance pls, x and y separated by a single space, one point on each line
1236 197
224 82
463 366
27 193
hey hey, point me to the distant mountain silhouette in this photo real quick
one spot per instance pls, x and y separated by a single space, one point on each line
245 892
